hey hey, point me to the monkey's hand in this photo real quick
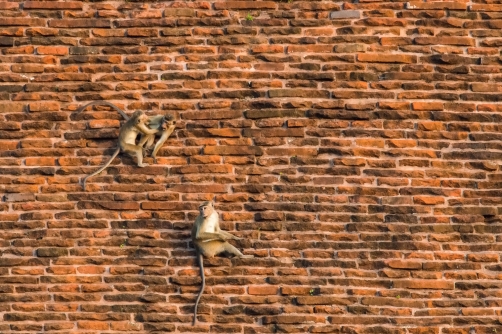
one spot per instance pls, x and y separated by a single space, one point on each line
229 236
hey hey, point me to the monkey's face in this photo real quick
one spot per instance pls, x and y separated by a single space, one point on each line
166 123
205 210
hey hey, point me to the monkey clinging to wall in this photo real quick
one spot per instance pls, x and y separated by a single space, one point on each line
209 240
139 123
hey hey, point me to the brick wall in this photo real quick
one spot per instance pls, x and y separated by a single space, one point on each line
354 146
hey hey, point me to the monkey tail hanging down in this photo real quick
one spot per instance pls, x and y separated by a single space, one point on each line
209 240
114 155
202 287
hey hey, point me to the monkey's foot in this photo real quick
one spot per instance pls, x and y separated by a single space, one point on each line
143 165
145 151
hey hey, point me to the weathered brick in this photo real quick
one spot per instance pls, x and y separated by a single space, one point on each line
240 5
462 41
353 147
50 50
345 14
79 23
75 5
386 58
21 21
436 5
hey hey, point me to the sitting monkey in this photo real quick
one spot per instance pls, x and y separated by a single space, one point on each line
209 240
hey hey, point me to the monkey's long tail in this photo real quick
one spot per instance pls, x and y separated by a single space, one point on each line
201 265
105 103
117 151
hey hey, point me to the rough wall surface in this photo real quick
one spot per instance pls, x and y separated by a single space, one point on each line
354 146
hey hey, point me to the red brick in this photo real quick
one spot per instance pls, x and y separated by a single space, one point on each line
353 147
51 50
21 21
48 5
79 23
428 200
424 284
386 58
93 325
462 41
485 8
310 48
436 5
40 162
262 290
8 5
427 106
240 5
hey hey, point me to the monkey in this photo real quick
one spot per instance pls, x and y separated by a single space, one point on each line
209 240
127 140
165 125
144 125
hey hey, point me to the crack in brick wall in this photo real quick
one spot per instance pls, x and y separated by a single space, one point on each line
354 146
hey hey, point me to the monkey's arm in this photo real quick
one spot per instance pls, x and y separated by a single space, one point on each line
228 235
146 130
163 138
207 236
154 122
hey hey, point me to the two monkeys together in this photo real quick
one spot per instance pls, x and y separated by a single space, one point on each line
207 237
137 124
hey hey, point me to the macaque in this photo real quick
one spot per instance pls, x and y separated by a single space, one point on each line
209 240
165 126
146 126
127 140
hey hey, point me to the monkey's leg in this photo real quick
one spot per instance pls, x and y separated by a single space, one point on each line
149 141
135 150
162 139
211 248
232 250
104 166
146 138
201 266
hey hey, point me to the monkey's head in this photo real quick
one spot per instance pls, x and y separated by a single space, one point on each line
206 209
169 120
139 117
